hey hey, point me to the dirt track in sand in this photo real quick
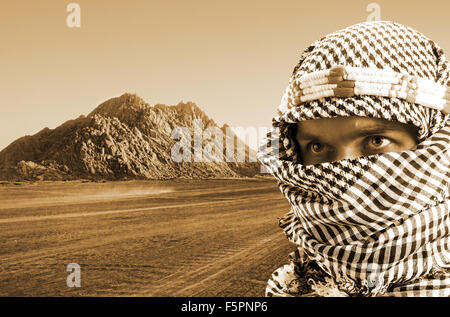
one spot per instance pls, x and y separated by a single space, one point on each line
141 238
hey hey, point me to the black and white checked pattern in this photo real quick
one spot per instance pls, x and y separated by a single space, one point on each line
383 217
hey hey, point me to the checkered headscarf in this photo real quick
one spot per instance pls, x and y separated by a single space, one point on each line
384 216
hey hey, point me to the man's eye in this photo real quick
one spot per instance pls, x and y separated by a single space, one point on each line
378 141
316 147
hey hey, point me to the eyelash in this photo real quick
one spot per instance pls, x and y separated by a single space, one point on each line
310 145
368 138
371 137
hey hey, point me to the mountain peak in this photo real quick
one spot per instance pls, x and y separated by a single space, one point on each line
115 106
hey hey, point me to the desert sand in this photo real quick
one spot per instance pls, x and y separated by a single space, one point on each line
141 238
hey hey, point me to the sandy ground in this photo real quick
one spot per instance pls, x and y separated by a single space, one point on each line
141 238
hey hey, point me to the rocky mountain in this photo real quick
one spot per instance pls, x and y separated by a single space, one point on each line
125 138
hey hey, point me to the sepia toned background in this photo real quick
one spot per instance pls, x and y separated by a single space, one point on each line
233 58
166 229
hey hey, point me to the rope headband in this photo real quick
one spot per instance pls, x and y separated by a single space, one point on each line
348 81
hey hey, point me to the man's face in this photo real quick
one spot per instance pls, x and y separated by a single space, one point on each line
334 139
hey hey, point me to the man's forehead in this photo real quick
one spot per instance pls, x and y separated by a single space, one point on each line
311 128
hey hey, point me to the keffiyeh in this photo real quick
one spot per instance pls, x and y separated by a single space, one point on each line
375 225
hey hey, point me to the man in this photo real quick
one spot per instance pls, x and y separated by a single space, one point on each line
361 149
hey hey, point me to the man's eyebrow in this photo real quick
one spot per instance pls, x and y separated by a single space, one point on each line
368 130
379 128
307 136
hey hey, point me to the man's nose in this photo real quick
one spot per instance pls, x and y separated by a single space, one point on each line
346 152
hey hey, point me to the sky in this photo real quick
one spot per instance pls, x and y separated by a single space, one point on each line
232 58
